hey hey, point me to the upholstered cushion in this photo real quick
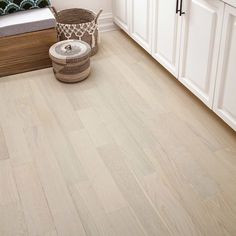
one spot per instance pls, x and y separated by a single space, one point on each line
26 21
11 6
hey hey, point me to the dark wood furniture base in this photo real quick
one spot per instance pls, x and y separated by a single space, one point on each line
26 52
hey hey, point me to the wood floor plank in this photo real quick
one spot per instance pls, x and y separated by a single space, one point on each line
12 219
100 178
77 99
174 142
168 203
109 109
59 199
227 155
145 140
3 146
75 92
201 120
101 106
8 190
137 83
16 102
17 145
56 136
134 155
193 175
118 91
193 118
36 211
93 215
149 145
58 102
95 127
125 223
118 123
141 205
12 128
11 85
17 112
51 233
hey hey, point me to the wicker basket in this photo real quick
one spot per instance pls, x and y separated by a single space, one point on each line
70 60
79 24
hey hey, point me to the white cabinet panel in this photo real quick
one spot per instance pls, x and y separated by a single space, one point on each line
121 13
201 31
192 47
141 22
167 35
225 93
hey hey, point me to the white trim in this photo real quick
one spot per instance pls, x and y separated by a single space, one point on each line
106 22
230 2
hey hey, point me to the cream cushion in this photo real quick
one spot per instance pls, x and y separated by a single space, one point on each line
26 21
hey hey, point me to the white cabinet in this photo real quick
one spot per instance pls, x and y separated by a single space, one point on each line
198 47
225 93
166 35
121 9
201 35
141 22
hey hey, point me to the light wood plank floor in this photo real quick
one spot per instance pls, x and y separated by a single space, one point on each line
128 152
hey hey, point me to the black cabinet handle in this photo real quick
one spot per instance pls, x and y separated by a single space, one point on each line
177 6
180 11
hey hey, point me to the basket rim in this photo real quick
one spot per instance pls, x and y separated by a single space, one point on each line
64 59
66 11
72 9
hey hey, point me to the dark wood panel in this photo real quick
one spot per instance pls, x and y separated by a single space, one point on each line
26 52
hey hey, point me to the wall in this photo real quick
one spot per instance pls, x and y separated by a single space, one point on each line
94 5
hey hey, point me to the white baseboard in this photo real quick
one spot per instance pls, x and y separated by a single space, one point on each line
106 22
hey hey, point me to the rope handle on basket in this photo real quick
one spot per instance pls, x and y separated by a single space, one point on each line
99 13
54 11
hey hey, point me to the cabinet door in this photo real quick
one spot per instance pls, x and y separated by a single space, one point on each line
225 93
201 34
121 13
167 34
141 22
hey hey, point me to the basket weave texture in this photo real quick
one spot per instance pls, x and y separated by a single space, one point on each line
70 60
79 24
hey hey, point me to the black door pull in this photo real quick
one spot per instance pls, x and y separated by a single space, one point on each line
177 6
180 11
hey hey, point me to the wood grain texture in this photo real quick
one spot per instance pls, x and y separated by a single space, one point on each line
3 146
141 205
128 151
36 211
66 218
91 211
100 178
12 219
26 52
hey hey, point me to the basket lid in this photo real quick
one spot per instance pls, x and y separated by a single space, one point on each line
70 50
